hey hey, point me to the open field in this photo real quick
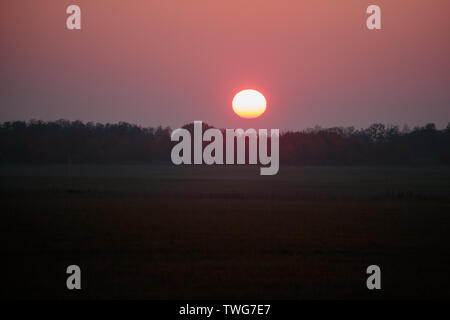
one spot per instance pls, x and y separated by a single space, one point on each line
224 232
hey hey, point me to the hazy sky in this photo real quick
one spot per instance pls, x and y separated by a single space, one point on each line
171 62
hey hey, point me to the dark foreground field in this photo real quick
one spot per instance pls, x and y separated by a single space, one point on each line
184 232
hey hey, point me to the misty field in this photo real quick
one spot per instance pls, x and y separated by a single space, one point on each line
162 232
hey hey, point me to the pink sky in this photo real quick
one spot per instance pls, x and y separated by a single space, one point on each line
172 62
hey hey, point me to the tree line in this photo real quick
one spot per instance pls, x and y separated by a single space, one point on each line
61 141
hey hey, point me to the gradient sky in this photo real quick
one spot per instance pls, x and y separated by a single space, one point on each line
171 62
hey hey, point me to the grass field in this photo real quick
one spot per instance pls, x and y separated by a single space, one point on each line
224 232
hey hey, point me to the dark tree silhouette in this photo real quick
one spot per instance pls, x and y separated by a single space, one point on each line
63 141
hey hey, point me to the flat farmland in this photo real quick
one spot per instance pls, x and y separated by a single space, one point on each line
167 232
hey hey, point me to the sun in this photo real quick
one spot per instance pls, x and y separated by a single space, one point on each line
249 104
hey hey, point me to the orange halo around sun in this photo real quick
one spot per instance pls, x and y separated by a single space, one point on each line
249 104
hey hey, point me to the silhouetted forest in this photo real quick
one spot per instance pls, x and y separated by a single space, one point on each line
62 141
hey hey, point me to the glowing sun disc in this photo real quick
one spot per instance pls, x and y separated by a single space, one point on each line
249 104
